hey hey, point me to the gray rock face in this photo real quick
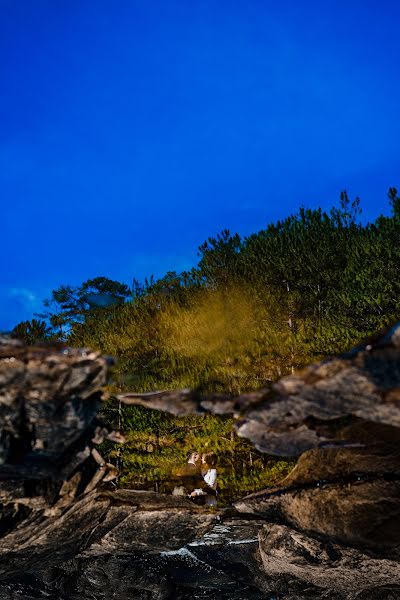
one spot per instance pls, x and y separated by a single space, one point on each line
330 530
349 572
219 564
351 494
103 523
48 398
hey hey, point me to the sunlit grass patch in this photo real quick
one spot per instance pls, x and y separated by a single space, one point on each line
157 446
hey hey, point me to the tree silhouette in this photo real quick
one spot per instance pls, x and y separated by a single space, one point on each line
31 331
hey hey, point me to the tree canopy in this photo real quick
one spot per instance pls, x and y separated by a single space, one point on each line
251 310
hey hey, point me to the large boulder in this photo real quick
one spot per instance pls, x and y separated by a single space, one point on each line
350 494
101 523
48 397
329 566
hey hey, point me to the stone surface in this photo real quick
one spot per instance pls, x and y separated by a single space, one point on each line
236 559
48 397
102 523
350 494
365 384
364 515
329 566
225 563
330 530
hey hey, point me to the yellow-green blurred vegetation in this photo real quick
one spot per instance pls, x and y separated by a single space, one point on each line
213 339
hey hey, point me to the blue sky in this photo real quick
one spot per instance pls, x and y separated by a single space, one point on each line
133 130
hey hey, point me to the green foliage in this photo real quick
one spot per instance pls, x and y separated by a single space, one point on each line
252 310
31 332
69 305
219 257
157 446
394 201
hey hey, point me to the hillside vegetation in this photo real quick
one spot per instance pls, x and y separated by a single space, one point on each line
251 310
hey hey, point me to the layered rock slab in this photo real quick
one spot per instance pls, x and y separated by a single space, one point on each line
351 494
48 397
103 523
223 564
329 566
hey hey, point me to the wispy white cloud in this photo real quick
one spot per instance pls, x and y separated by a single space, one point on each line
17 304
23 295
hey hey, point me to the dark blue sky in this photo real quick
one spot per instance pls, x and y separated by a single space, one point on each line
133 130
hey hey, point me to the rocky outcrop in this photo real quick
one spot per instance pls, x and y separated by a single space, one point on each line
57 513
328 566
49 398
102 523
350 494
330 530
220 565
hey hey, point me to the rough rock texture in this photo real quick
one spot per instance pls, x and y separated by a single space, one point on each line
54 506
102 523
330 530
46 392
351 494
328 565
49 397
226 563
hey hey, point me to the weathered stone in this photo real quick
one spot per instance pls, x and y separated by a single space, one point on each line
329 566
364 383
351 494
103 523
364 514
48 398
235 560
